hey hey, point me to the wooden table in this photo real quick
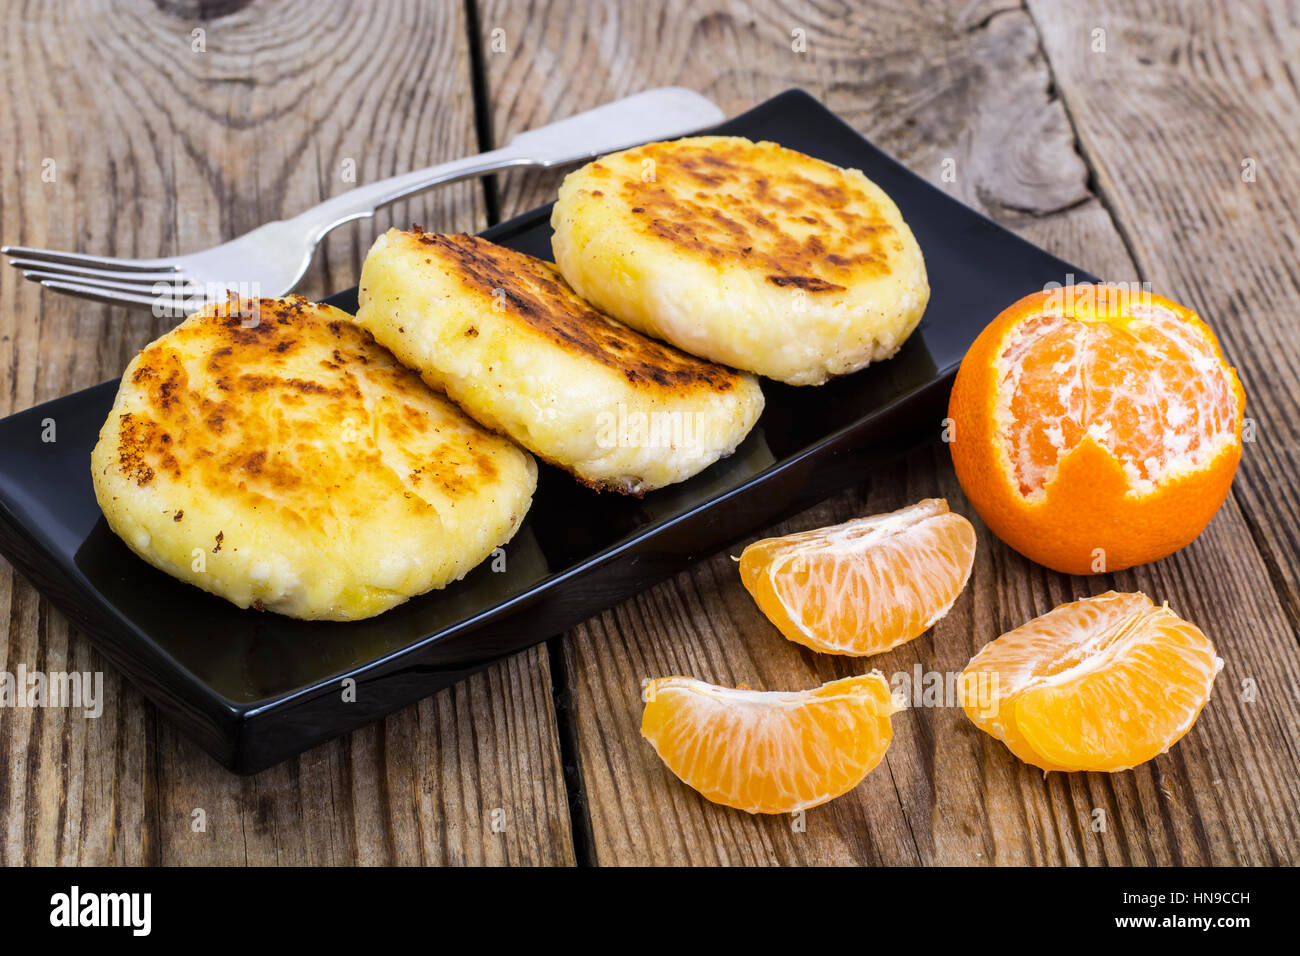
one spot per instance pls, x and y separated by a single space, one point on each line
1150 141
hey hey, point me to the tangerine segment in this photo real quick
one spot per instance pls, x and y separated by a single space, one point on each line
1103 683
1033 653
864 586
1096 428
769 752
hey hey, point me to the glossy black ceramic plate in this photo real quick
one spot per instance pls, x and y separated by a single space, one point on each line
254 688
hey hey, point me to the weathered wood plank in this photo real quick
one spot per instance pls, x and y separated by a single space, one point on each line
1186 111
156 147
967 83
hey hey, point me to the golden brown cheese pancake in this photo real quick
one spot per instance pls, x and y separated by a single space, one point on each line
745 253
270 452
504 336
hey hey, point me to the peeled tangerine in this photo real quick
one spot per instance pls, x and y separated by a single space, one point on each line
1104 683
864 586
1095 428
769 752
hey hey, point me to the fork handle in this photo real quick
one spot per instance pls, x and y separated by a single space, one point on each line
651 115
362 202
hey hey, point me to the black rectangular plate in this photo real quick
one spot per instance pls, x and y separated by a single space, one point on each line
254 688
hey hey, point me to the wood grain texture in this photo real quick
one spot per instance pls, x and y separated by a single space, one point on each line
968 83
159 147
1188 117
1128 163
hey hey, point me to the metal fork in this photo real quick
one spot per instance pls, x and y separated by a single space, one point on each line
271 259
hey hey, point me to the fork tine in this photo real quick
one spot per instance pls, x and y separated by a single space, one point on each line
173 305
56 269
156 288
52 256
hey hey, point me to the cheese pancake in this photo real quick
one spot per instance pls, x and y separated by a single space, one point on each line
504 336
270 452
745 253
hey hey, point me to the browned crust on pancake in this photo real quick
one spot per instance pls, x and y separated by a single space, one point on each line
533 292
732 203
252 424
